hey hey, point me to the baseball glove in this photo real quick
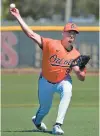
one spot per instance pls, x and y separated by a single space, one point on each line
81 61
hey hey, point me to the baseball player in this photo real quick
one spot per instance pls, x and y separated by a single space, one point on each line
55 75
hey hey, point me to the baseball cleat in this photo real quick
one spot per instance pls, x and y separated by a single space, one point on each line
57 130
41 127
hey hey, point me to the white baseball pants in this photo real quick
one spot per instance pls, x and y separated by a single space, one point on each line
46 91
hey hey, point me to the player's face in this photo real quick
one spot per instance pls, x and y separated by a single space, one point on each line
69 36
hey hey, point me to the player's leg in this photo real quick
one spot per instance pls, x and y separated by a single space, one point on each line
45 95
65 90
65 97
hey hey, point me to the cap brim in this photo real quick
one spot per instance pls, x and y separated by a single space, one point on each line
77 32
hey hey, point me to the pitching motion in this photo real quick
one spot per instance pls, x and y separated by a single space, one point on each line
60 57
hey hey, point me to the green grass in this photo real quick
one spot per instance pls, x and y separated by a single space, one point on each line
20 102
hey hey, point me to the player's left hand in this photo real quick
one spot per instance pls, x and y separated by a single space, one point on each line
81 61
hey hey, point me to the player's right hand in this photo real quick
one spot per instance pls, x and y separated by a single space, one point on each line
14 12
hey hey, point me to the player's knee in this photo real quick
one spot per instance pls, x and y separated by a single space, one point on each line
66 95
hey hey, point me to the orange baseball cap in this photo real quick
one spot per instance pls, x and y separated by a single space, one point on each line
71 26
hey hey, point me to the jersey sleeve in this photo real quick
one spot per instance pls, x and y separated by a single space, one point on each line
45 42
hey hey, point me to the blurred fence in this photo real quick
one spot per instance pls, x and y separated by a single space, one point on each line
19 51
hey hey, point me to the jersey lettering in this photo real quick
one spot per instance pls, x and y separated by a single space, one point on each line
56 61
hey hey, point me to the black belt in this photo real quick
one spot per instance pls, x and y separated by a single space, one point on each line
51 82
47 80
